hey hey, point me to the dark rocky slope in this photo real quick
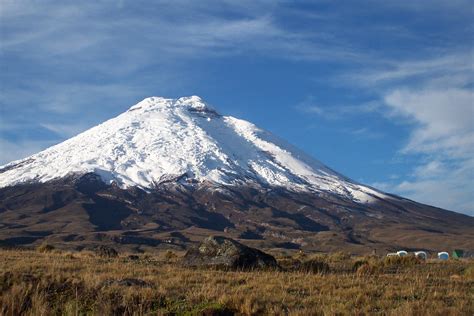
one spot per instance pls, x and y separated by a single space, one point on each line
82 211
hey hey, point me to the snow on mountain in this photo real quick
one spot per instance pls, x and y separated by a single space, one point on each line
160 139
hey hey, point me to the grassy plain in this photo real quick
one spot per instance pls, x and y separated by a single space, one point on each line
51 282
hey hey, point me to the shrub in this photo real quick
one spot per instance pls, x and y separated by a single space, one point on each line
211 309
289 264
106 252
170 255
300 255
406 261
374 265
469 272
43 248
339 256
314 266
366 269
358 264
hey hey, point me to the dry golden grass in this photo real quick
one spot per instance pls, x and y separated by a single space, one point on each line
53 282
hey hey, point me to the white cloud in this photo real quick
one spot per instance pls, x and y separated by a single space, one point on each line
444 118
443 134
99 35
435 98
310 105
451 189
445 184
450 70
432 169
366 133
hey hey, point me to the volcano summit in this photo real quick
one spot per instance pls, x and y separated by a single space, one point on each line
159 140
169 171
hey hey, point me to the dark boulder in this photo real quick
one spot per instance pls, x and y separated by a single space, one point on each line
133 257
225 253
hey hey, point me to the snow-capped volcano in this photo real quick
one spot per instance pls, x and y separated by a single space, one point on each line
162 139
168 171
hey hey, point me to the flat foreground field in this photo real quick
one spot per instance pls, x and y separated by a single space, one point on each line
53 282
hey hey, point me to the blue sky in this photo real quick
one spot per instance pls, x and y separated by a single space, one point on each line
381 91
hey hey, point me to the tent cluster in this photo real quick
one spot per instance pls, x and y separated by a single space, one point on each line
443 255
402 253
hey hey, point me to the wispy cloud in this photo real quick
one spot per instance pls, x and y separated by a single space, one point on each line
440 110
311 105
444 132
448 69
434 99
447 187
83 61
366 133
443 118
15 150
64 130
206 30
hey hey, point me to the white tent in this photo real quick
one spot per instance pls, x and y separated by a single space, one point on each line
421 255
402 253
443 255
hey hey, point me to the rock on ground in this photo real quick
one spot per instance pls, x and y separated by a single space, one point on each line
226 253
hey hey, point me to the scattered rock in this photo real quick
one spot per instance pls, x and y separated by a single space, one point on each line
226 253
125 282
106 252
133 257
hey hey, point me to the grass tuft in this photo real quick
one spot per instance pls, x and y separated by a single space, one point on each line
45 248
